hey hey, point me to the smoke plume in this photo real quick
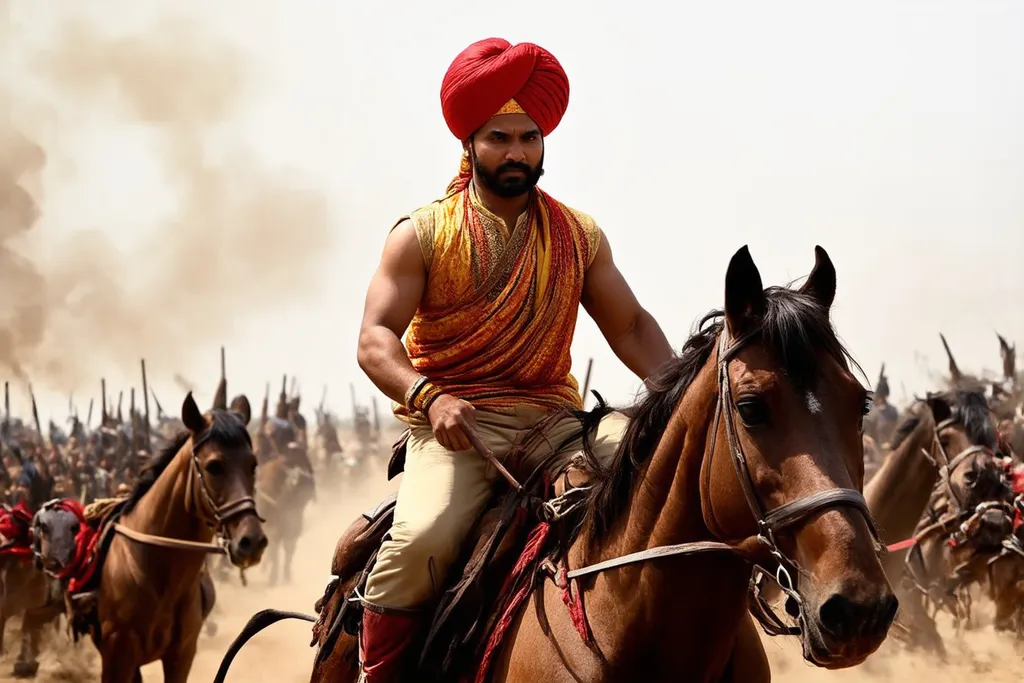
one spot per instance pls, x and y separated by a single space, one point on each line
241 240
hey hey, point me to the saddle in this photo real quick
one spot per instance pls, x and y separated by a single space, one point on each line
81 604
518 534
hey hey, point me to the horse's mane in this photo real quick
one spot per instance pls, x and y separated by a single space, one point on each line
969 407
795 327
225 429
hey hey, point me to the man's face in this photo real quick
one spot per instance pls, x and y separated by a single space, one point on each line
508 155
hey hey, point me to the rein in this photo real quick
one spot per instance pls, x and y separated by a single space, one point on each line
768 522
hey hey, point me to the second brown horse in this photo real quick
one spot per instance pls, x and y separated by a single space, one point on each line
150 600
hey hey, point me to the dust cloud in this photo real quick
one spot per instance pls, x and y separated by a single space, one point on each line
236 238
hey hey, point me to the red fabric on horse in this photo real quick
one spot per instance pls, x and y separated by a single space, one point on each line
15 523
82 568
517 589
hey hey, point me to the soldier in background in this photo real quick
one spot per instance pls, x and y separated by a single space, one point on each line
881 420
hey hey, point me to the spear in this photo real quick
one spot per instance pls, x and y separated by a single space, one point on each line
120 397
265 411
7 409
159 408
376 415
145 403
281 411
88 416
586 380
35 411
103 397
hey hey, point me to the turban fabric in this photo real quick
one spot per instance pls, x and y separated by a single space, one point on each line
493 76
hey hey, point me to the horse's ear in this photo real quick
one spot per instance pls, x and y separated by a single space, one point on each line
821 283
191 415
240 407
744 293
939 406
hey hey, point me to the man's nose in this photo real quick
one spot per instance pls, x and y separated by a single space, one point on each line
516 153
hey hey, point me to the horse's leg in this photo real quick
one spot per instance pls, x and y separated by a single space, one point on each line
120 654
32 624
749 663
208 593
288 551
274 548
4 615
178 665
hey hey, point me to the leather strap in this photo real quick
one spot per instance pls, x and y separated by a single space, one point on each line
164 542
658 552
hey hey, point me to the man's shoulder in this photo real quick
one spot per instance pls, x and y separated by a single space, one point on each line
586 223
581 217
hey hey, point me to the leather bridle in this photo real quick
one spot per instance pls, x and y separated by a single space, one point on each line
769 522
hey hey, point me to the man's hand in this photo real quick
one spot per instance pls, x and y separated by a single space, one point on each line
453 421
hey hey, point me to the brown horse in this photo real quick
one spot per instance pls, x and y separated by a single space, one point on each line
150 600
1006 582
24 589
34 596
746 449
285 487
969 516
956 423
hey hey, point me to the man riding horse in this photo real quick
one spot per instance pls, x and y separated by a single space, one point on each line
488 282
880 422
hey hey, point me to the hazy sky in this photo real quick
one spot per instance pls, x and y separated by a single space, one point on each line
888 132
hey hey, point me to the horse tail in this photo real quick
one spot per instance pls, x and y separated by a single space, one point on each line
257 623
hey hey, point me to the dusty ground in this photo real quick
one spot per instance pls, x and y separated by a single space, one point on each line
281 654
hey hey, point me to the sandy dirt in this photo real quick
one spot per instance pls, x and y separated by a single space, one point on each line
282 653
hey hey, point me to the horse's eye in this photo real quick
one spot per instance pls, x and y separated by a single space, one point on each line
214 468
866 408
753 411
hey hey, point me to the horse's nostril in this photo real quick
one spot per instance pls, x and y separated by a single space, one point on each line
245 544
263 542
835 615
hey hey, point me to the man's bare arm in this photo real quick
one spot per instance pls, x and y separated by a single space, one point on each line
632 333
391 301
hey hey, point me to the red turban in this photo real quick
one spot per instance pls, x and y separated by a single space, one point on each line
491 73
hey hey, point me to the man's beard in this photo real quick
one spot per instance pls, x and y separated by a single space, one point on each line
509 187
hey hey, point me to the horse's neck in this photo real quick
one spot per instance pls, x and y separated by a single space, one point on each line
645 602
165 509
899 491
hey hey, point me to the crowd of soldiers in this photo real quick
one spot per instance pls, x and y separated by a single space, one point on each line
88 462
1005 394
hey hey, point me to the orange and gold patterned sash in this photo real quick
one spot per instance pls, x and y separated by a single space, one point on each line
499 312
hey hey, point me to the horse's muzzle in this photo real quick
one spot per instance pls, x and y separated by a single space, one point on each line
247 544
849 625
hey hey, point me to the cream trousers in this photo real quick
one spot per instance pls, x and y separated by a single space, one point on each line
443 493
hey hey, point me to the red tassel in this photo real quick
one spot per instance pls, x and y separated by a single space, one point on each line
576 612
523 576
